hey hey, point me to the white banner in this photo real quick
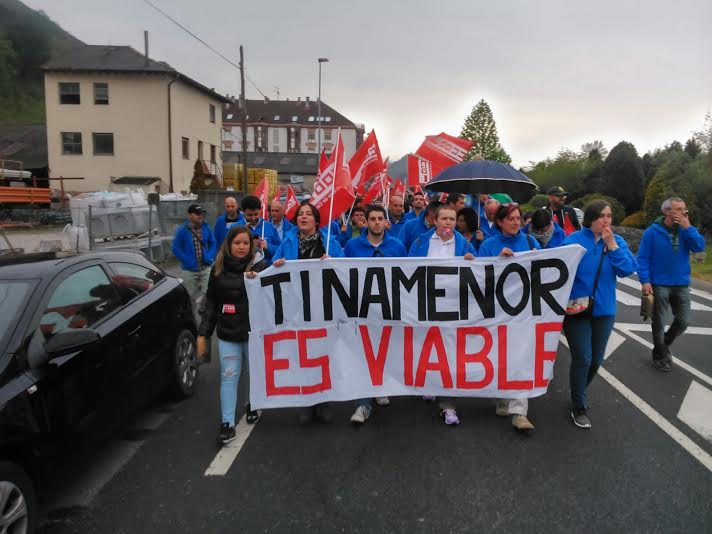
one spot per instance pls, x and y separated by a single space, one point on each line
343 329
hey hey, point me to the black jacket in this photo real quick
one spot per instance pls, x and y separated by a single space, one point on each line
226 304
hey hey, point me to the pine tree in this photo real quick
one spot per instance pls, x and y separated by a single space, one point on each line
480 127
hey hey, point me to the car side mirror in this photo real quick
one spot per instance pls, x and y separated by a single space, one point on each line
70 341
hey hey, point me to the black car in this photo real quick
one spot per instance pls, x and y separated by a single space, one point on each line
84 341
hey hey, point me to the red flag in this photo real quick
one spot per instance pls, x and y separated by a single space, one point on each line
291 204
443 150
262 192
337 178
420 171
378 188
398 189
366 161
323 161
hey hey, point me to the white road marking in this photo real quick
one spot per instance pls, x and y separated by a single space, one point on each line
224 459
679 363
686 443
695 410
614 342
625 298
641 327
631 300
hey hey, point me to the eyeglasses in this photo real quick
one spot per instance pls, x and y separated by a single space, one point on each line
684 211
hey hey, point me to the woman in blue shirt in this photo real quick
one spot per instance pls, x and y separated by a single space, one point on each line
509 240
588 333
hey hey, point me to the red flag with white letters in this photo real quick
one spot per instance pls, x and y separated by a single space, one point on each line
420 171
291 205
335 179
366 161
443 150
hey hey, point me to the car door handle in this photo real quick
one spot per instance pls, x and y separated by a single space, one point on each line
135 330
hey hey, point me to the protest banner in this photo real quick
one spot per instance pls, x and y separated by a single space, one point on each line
341 329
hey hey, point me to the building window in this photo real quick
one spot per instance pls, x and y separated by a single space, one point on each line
101 94
185 147
311 135
212 113
71 143
69 93
212 154
200 150
103 144
327 135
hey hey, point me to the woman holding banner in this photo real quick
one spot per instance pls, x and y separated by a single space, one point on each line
443 241
591 312
307 243
227 307
504 244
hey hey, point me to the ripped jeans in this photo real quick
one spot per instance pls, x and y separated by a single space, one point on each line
232 354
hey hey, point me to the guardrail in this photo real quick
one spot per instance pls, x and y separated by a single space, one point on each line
24 195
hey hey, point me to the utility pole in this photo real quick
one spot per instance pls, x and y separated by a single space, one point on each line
243 108
318 112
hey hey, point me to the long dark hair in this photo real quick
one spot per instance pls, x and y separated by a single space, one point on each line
470 217
226 246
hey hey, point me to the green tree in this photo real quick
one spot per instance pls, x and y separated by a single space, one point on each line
622 176
672 179
481 128
616 207
692 148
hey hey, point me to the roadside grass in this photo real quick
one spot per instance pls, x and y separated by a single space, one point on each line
702 270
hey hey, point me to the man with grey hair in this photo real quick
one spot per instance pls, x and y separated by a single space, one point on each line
488 226
664 271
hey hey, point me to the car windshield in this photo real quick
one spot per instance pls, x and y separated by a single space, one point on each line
13 296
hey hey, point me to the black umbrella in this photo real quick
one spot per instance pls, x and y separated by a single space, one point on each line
482 177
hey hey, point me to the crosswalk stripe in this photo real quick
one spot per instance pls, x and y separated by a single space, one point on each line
226 456
671 430
678 362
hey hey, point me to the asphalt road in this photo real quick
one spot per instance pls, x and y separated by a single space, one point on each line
646 466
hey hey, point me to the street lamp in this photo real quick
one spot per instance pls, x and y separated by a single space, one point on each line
318 107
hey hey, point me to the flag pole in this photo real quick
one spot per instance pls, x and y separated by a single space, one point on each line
333 188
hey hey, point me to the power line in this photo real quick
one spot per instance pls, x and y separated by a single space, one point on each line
166 15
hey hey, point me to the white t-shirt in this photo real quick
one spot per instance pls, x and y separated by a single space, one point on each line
441 249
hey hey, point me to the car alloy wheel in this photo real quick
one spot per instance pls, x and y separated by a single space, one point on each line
17 500
186 364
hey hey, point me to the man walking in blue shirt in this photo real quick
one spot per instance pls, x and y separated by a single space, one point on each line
374 243
664 271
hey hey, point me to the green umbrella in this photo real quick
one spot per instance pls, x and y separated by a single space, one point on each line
503 198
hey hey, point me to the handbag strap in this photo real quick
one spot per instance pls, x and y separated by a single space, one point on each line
598 271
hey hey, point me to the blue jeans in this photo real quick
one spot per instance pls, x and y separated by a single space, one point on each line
231 355
587 339
368 403
665 298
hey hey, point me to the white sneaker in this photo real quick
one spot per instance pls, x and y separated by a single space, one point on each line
361 414
502 409
383 401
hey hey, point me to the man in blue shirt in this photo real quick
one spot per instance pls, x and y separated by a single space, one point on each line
396 216
267 244
420 225
223 223
417 206
374 243
195 247
280 223
664 271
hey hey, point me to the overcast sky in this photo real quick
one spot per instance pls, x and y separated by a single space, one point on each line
557 73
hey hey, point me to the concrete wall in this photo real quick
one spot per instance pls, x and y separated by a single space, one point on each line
191 119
